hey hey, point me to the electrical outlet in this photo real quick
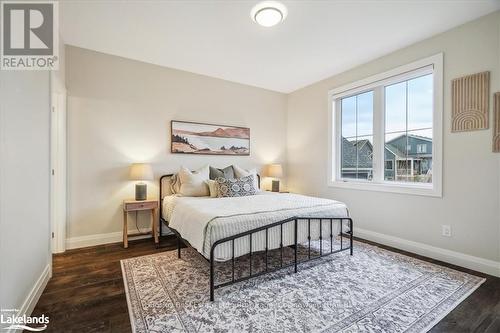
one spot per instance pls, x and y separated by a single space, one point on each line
446 230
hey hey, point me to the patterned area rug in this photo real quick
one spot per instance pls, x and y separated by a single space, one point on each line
372 291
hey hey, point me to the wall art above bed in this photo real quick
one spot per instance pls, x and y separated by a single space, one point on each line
200 138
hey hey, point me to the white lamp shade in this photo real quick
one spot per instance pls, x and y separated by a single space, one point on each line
141 171
275 170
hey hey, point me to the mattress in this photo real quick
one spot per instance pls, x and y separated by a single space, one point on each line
203 220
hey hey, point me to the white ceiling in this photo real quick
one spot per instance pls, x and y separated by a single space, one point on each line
217 38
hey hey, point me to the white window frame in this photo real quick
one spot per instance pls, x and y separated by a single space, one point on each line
434 65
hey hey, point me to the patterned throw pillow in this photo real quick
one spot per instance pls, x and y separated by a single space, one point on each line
239 187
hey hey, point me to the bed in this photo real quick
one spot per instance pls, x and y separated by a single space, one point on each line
222 229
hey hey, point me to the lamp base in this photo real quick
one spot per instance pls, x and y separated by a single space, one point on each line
276 186
141 192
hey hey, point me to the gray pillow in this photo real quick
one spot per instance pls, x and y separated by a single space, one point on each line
239 187
227 172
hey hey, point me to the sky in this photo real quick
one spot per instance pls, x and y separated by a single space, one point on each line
405 102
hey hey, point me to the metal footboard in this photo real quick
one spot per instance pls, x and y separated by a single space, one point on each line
295 262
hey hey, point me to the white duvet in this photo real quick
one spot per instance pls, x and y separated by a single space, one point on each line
202 220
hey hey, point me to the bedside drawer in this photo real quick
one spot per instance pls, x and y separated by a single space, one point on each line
140 205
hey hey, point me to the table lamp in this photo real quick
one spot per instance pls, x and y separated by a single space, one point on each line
275 171
140 172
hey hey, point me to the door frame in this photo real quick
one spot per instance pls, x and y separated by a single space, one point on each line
58 181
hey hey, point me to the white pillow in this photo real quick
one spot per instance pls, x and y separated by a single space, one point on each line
193 184
212 186
240 173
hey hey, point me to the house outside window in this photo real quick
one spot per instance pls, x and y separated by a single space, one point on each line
386 131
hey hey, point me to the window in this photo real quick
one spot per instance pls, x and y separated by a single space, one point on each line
408 109
357 136
386 131
421 149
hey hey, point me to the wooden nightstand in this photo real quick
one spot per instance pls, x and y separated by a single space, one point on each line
136 206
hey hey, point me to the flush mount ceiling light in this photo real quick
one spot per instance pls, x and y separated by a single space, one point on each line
268 13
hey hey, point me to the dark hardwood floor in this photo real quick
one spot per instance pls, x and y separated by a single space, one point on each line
86 292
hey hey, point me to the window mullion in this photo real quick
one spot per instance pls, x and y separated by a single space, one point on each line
406 131
378 134
338 139
356 138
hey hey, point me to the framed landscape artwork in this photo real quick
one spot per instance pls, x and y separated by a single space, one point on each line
199 138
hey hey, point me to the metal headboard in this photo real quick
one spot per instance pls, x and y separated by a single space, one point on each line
162 193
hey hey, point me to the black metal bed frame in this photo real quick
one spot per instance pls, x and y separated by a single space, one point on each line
266 228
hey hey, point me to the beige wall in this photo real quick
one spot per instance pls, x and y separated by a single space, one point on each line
470 202
119 112
25 256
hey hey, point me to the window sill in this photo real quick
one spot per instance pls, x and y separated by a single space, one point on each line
413 189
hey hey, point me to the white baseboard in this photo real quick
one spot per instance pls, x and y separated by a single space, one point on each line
100 239
34 295
456 258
